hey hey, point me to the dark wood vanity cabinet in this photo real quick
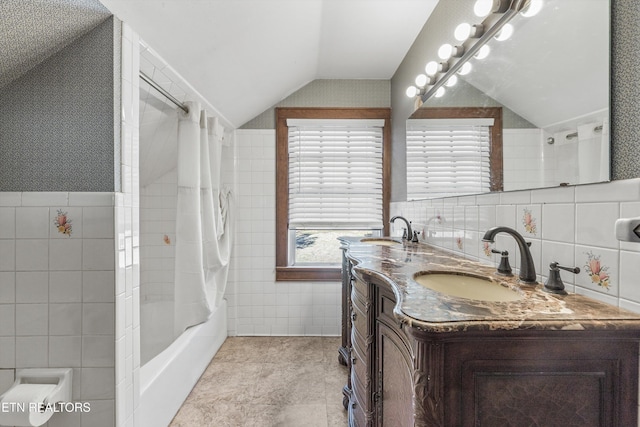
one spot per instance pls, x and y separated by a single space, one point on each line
403 375
393 367
362 382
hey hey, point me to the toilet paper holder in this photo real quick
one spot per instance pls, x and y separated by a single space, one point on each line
60 377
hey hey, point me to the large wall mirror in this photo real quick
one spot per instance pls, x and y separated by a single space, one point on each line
551 79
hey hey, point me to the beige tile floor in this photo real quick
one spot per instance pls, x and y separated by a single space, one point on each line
269 381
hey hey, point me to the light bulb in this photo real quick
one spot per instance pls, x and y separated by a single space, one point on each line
462 32
477 30
483 52
465 69
532 8
483 7
412 91
421 80
445 51
452 81
432 68
439 92
505 32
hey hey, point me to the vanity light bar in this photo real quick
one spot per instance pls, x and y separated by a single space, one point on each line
492 24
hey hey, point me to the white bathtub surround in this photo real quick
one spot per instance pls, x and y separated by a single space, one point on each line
168 378
176 365
571 225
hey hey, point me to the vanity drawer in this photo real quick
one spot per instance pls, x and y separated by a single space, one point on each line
360 367
360 321
359 390
360 402
356 414
360 343
362 288
362 303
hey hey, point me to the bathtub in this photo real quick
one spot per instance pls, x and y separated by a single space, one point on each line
167 379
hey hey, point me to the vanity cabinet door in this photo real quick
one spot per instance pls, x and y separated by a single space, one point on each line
394 395
553 382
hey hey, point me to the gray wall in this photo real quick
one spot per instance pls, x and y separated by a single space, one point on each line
329 93
465 95
57 128
625 90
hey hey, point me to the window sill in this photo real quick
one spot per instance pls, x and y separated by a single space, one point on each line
308 274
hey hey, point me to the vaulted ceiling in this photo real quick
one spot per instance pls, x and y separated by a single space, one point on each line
244 56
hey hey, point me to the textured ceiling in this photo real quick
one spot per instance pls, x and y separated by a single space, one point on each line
33 30
244 56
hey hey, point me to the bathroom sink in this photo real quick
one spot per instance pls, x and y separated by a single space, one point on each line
380 241
467 286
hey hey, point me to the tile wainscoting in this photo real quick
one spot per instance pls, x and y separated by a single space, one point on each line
57 305
571 225
258 305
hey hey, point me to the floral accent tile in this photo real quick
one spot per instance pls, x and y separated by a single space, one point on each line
486 248
166 239
529 222
598 273
63 223
459 242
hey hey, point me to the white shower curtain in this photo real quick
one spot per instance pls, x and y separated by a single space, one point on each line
593 152
566 158
203 220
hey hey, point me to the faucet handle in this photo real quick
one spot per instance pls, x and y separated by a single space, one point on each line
554 283
504 268
554 266
415 237
404 233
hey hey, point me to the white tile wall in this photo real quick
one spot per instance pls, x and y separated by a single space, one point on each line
126 258
528 159
43 298
573 226
158 235
258 305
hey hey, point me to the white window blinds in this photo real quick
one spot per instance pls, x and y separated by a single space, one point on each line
447 157
335 173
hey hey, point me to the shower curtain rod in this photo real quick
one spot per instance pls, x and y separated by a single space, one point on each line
163 92
575 134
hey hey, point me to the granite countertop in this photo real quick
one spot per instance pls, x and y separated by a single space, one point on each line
432 311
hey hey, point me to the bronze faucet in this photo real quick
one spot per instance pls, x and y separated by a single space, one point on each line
408 232
527 267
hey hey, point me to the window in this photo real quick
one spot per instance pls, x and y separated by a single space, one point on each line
453 151
447 157
331 180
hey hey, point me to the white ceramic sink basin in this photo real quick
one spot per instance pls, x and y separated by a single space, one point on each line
465 286
380 241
